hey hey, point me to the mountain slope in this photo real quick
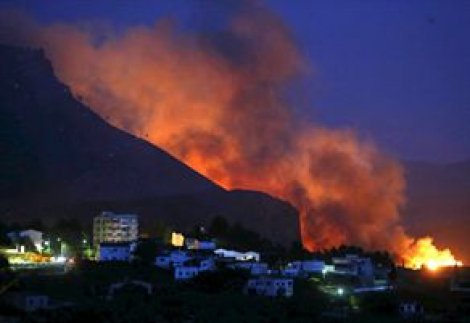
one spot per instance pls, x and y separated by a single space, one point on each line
63 141
58 158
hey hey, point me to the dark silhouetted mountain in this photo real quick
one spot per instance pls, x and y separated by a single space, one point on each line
58 158
438 202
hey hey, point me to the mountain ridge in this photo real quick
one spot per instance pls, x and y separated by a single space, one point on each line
58 155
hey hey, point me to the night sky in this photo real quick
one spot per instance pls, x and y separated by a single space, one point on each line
397 71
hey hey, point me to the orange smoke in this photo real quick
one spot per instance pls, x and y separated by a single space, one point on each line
217 102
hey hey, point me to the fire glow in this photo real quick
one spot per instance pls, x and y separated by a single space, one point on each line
220 109
423 253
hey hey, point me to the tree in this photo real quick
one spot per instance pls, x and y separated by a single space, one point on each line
69 233
198 232
159 229
146 251
36 224
219 226
222 280
297 251
4 240
4 264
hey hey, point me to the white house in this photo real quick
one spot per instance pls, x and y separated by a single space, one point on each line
239 256
255 268
193 267
119 251
173 259
296 268
293 269
313 266
195 244
270 286
34 235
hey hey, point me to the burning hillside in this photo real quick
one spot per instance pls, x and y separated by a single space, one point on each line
217 102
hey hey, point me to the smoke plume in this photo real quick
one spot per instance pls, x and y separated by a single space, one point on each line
217 102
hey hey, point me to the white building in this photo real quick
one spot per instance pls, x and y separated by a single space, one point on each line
111 227
255 268
34 235
195 244
236 255
115 251
172 259
354 265
270 286
305 267
313 266
193 267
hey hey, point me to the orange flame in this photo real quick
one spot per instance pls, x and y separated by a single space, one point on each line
423 253
220 109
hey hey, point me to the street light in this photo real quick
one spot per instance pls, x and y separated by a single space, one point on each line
340 291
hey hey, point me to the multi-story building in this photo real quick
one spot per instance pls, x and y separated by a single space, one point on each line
111 227
353 265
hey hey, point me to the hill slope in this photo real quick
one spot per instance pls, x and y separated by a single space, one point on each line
58 158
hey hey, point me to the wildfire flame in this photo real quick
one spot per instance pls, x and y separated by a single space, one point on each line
217 103
423 253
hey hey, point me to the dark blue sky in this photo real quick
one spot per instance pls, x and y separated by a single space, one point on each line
397 71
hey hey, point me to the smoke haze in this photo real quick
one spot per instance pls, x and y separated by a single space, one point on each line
217 102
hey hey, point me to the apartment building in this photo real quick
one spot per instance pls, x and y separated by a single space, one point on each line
112 227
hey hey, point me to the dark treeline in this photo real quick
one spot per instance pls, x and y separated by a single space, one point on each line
238 237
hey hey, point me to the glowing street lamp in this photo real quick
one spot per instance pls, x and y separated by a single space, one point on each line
340 291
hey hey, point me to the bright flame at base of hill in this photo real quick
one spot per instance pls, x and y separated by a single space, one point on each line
423 253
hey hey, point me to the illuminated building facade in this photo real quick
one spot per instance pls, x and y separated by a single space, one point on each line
111 227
